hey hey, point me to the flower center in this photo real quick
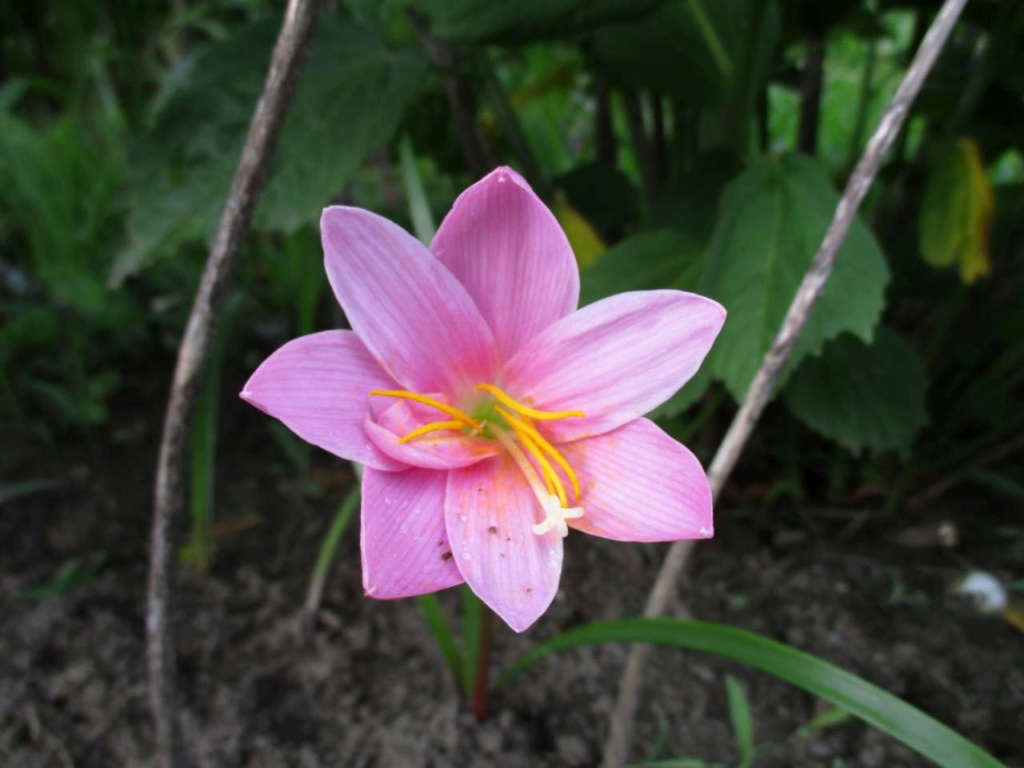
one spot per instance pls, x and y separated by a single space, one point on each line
503 418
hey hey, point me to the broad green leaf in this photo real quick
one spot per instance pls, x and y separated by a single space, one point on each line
351 96
884 711
602 194
771 222
663 259
862 396
955 222
687 49
486 21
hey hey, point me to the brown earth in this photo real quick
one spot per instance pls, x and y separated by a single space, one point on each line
363 685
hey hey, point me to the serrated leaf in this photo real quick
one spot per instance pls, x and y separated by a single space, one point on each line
485 21
863 397
351 96
955 220
771 222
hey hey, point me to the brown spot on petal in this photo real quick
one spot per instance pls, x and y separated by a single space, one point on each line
528 590
493 530
447 555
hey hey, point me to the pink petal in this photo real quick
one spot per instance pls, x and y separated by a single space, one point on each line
615 360
413 315
511 254
639 484
437 450
404 546
319 386
489 511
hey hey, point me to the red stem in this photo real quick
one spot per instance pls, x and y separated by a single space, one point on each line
482 679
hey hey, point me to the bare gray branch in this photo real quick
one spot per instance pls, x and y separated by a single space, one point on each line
760 391
264 129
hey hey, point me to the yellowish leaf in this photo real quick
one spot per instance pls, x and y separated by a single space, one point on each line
585 242
955 220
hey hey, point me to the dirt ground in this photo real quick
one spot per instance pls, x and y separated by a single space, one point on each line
364 685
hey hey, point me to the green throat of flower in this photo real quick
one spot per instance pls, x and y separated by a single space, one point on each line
502 418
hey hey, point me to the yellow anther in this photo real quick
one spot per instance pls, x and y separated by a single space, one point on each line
433 426
532 413
550 476
520 426
548 472
455 413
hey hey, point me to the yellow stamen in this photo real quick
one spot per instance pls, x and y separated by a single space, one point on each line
555 514
550 476
455 413
433 426
520 426
532 413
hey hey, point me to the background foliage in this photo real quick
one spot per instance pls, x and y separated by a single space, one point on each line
691 143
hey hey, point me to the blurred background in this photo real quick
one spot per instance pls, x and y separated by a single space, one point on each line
694 144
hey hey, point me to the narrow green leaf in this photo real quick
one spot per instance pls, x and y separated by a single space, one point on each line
886 712
742 720
419 206
830 718
442 632
329 547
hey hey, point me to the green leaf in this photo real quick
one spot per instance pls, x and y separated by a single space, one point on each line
742 720
684 50
485 21
886 712
351 96
830 718
602 194
955 222
441 631
662 259
862 396
771 222
688 50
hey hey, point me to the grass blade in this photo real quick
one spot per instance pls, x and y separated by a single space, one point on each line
742 720
870 703
442 632
328 549
419 205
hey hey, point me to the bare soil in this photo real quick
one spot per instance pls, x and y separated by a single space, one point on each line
364 685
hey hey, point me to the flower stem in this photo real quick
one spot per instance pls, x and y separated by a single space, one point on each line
482 678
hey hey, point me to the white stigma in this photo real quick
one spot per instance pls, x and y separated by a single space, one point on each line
555 514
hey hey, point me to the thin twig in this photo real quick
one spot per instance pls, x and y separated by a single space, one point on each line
617 745
264 129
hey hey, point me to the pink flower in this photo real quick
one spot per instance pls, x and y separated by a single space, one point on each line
492 416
